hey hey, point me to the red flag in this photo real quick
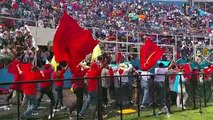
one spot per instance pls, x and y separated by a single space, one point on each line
71 42
150 53
118 59
207 73
187 70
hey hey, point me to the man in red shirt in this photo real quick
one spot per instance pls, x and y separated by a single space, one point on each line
29 89
15 87
59 75
46 86
92 87
78 87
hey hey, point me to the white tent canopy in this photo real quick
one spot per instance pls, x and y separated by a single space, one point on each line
42 35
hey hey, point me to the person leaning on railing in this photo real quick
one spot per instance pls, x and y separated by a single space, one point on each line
105 85
135 87
180 89
160 83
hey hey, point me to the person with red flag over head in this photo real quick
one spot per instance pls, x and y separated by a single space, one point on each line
78 86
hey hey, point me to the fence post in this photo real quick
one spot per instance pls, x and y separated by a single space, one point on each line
121 102
18 106
167 92
99 99
200 93
181 91
51 105
153 95
193 80
138 95
204 90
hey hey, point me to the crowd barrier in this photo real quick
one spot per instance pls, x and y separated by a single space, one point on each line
199 91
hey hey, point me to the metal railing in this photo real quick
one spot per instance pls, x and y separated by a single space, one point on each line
197 92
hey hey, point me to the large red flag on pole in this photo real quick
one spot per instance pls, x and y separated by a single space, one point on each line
150 53
71 42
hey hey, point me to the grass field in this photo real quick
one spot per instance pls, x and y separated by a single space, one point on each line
207 114
111 112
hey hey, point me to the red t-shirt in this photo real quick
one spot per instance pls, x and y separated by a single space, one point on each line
13 69
80 82
95 71
59 76
30 88
111 74
47 76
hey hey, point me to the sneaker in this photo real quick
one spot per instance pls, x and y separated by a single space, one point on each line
35 113
135 105
81 116
56 110
53 115
104 106
142 106
63 107
5 108
163 110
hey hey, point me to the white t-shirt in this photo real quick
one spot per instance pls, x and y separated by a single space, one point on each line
160 78
145 75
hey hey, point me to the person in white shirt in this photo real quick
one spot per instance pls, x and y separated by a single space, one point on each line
144 78
160 86
123 82
105 84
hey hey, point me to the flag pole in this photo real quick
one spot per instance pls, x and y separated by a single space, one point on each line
36 47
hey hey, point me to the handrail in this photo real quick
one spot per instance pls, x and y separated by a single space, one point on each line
116 76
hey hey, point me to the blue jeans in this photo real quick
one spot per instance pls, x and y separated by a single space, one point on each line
92 98
145 91
31 105
59 97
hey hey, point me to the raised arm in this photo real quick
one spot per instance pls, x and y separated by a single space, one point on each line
19 70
